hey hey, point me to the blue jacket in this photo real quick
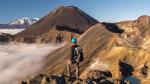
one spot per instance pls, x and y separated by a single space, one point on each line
133 80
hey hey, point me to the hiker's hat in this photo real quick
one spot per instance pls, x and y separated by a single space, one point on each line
73 40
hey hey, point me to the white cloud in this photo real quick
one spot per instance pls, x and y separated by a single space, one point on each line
11 31
18 61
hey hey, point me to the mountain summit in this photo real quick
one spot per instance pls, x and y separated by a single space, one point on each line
58 26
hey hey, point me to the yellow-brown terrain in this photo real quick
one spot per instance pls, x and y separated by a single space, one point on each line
104 44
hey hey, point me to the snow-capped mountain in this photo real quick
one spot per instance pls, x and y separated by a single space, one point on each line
24 21
19 23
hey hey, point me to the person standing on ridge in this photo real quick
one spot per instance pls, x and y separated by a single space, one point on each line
76 56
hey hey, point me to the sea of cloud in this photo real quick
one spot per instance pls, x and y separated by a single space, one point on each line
11 31
19 60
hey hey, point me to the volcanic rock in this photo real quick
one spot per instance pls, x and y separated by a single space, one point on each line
4 38
136 31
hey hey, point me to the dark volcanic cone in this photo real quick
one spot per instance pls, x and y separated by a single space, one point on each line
58 26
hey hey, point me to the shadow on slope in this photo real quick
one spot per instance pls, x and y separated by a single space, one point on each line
113 27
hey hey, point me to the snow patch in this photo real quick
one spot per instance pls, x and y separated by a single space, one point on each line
99 65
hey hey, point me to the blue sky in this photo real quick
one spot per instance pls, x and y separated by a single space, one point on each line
102 10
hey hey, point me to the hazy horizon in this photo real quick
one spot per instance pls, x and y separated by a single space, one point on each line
102 10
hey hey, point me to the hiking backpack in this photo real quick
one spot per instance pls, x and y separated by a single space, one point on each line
79 53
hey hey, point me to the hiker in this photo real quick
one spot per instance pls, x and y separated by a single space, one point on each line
76 56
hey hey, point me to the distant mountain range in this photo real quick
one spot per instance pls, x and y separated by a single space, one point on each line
19 23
